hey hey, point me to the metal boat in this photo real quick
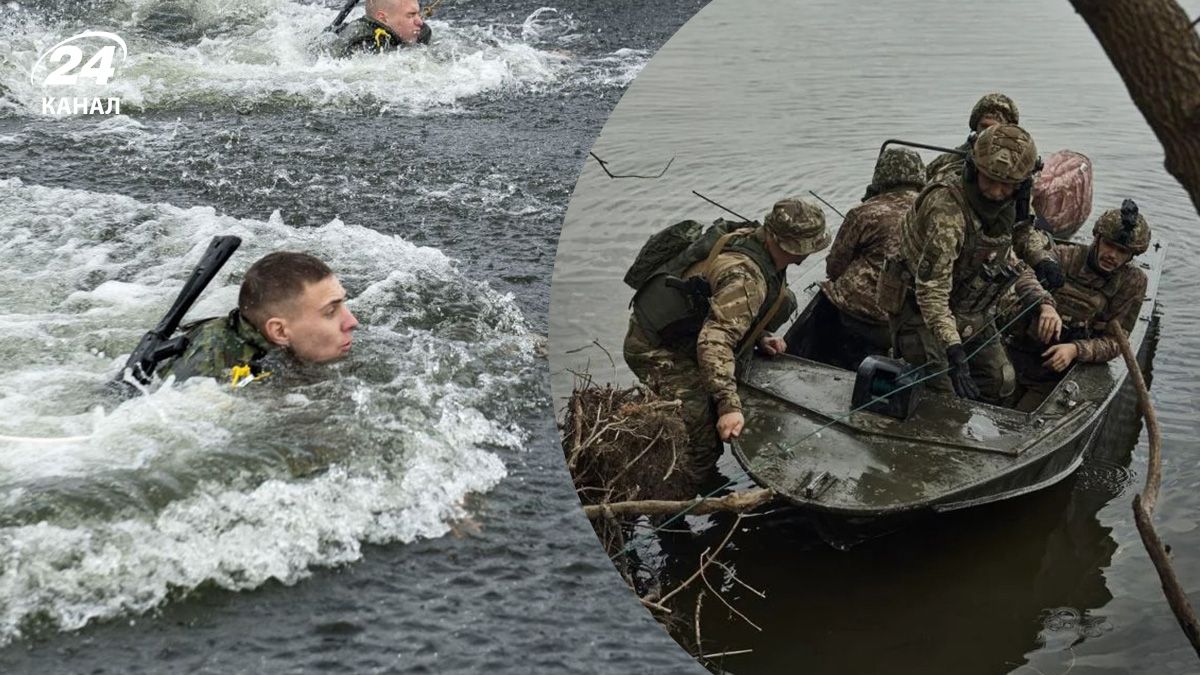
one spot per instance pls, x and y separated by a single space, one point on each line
802 440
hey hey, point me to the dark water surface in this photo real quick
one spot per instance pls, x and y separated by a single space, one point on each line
759 100
431 527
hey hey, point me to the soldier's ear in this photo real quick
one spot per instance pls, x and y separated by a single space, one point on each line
276 331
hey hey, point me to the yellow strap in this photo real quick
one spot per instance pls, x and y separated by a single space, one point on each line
380 35
240 376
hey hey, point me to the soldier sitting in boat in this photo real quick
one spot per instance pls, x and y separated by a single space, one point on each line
943 288
696 316
387 25
869 234
290 306
990 110
1101 286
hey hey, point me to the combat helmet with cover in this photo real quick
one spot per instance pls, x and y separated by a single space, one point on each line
1006 153
896 167
1124 227
996 105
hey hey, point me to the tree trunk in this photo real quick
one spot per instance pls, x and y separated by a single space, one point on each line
1156 50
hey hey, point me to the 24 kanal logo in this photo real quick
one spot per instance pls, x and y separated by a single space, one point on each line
88 57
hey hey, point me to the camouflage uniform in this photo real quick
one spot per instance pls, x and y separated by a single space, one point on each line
958 264
1087 303
366 35
948 167
700 370
216 346
868 235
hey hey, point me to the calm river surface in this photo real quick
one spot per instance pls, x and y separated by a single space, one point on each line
757 100
405 510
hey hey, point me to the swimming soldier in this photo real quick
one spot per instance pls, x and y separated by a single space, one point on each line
953 267
708 308
387 25
990 110
1101 286
869 234
290 306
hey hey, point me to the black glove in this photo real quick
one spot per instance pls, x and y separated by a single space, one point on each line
960 373
1024 200
1049 274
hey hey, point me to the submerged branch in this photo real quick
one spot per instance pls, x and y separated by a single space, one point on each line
735 502
1143 504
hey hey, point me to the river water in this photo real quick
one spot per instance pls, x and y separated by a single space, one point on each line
403 510
758 100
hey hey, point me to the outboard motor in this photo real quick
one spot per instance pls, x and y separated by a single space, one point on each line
886 386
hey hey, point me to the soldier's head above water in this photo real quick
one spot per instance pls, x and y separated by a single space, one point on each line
386 26
402 17
297 303
289 304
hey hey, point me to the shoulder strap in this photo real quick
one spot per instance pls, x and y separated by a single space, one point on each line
761 326
720 246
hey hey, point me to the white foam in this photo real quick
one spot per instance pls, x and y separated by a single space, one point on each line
269 52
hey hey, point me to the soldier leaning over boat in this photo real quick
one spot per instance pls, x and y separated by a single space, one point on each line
942 289
705 309
1101 286
869 234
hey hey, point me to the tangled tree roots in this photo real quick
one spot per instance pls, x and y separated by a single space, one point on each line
626 444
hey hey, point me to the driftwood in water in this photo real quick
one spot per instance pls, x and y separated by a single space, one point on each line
1143 504
1155 49
736 502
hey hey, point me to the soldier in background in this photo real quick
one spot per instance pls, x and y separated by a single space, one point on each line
1101 287
746 279
290 306
387 25
953 267
869 234
990 110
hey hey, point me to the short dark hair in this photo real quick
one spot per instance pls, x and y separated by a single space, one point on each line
277 278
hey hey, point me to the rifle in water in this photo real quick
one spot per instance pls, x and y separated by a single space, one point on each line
341 17
158 345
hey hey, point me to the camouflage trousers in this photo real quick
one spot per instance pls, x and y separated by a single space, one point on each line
674 374
990 368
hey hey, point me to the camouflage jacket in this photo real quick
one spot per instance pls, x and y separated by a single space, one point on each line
932 244
216 346
869 234
739 290
1088 301
365 35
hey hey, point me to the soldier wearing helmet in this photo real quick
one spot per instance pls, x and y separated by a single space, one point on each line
953 266
992 109
742 272
869 234
1100 287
